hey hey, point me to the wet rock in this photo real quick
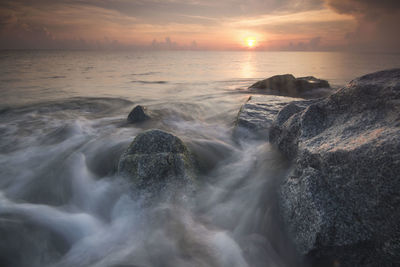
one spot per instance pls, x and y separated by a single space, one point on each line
138 114
155 159
257 115
288 85
340 203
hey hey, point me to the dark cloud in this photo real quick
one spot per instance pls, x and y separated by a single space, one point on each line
365 7
377 23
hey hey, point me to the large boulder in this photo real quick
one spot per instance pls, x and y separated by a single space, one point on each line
156 159
341 202
288 85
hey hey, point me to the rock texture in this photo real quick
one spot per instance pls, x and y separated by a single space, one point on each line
138 115
155 159
288 85
257 115
341 202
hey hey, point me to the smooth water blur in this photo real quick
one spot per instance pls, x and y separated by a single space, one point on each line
63 128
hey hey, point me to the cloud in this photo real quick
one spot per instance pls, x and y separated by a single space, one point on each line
276 32
84 23
168 44
223 24
311 44
175 11
377 23
365 7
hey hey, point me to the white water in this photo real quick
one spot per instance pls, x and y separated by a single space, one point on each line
59 186
62 130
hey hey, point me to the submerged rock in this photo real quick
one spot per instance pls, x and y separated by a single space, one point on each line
341 202
138 114
288 85
155 159
257 115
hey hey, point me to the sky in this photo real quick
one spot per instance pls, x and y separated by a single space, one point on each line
271 25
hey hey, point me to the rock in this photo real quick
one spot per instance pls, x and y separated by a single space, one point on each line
341 201
288 85
138 115
155 159
257 115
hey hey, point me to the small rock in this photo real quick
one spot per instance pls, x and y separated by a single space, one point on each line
138 115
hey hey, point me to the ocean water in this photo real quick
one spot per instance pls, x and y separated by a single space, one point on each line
63 128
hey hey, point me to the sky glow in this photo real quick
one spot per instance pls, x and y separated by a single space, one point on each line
294 25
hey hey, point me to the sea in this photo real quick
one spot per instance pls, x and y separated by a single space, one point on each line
63 129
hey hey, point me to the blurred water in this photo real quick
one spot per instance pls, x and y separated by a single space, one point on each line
62 130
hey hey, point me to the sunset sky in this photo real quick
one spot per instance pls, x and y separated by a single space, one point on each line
309 25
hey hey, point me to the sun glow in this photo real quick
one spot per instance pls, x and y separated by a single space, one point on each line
251 42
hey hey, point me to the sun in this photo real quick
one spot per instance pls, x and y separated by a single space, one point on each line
251 42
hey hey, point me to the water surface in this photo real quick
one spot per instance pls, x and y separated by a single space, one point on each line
63 128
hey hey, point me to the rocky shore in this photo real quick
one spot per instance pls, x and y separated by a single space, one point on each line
340 202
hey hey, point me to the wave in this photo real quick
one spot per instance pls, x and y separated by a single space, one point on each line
95 106
11 80
55 77
86 218
150 82
145 73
